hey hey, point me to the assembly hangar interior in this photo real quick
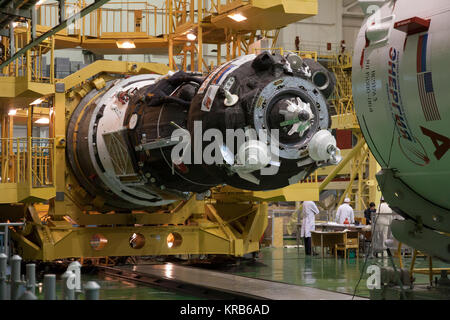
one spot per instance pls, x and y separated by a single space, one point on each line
224 149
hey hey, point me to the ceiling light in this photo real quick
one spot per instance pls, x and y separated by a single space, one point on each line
37 101
12 112
191 36
125 44
40 2
237 17
43 121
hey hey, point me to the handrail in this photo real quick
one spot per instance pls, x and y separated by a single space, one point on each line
28 160
104 19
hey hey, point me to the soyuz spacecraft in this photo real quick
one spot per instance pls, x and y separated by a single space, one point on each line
259 122
400 87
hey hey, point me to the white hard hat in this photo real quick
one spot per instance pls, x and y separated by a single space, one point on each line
347 200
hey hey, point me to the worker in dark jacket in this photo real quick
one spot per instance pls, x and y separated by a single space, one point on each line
368 212
297 43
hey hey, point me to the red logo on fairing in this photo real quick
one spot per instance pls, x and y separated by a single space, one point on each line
414 152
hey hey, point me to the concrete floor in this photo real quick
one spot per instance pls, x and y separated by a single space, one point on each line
215 280
287 265
119 289
290 265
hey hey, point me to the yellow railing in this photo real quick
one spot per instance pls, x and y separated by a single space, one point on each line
41 159
324 49
130 17
30 65
188 10
311 179
114 17
9 160
22 158
215 6
48 15
145 20
342 98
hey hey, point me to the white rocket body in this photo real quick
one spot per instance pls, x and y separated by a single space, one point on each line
402 93
401 89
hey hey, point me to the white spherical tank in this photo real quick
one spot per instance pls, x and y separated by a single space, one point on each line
401 70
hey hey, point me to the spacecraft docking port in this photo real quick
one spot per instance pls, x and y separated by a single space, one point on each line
259 122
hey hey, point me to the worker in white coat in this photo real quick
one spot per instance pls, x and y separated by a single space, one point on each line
345 212
309 211
383 220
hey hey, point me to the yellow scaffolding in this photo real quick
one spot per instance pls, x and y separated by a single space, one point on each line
230 225
165 29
